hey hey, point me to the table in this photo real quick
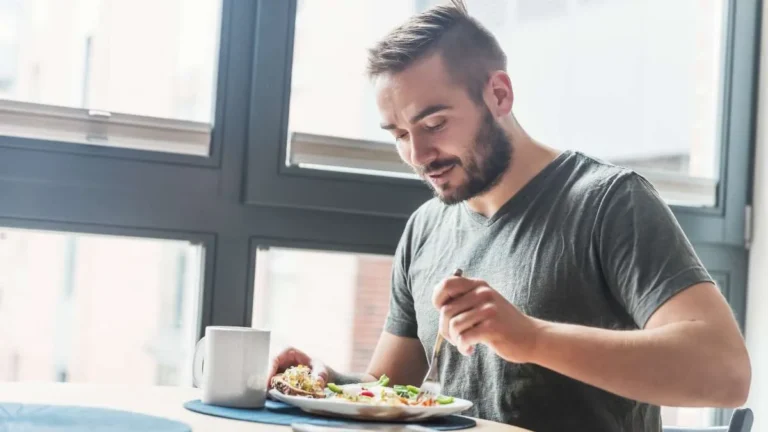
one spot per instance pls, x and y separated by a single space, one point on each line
158 401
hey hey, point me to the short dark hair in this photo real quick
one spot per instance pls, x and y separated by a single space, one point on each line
469 50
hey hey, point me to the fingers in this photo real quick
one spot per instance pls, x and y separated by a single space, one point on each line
473 336
462 304
453 288
467 320
468 301
287 358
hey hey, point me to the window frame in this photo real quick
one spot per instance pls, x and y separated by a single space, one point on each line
243 195
720 234
227 35
271 182
53 185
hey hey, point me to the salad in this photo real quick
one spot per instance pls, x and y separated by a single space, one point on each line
298 381
377 393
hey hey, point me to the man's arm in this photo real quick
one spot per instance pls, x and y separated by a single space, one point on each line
402 359
687 350
690 353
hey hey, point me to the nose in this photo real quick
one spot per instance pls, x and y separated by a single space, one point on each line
422 152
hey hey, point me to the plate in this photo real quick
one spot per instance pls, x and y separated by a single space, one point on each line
337 407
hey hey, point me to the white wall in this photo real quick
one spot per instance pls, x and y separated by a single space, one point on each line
757 294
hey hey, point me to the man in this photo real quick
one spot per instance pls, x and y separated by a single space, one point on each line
582 307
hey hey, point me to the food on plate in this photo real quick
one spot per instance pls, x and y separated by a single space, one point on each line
297 381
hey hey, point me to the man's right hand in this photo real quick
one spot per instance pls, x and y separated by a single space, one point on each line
293 357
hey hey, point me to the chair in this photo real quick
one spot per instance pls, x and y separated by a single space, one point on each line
741 421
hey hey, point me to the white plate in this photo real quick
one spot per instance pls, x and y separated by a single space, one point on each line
338 407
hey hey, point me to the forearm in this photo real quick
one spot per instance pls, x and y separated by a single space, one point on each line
674 365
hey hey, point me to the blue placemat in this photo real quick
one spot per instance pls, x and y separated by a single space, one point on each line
63 418
283 414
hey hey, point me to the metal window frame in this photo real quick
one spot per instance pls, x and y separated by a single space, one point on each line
101 128
243 195
81 188
718 233
271 182
228 34
376 158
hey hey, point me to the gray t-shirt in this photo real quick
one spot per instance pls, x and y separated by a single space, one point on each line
584 242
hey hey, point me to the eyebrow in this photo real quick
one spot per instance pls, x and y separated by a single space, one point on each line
428 111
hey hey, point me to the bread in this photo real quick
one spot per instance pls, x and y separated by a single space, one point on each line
301 383
281 385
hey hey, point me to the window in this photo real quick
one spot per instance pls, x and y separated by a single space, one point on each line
688 417
69 303
9 34
304 296
252 189
648 96
137 74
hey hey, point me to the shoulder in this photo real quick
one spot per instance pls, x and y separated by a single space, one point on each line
609 195
604 182
595 172
617 180
623 202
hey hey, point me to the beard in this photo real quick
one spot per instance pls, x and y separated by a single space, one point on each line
483 166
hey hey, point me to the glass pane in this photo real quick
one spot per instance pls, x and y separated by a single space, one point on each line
688 417
615 79
350 291
96 308
142 57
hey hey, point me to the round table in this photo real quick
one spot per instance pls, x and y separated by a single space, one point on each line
158 401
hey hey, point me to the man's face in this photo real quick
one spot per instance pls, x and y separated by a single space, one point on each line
454 144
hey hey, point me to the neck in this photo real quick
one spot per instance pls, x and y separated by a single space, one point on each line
528 159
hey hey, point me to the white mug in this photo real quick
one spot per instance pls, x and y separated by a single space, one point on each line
235 370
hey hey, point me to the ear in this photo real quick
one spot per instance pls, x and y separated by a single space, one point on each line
498 94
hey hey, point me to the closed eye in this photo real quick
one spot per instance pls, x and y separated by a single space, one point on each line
437 127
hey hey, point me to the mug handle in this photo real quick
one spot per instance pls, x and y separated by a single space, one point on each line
197 365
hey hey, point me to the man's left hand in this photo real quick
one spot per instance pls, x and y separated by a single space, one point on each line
472 312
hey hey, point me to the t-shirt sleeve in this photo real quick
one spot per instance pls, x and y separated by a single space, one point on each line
645 255
401 318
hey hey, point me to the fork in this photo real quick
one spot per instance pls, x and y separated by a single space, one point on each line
431 386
